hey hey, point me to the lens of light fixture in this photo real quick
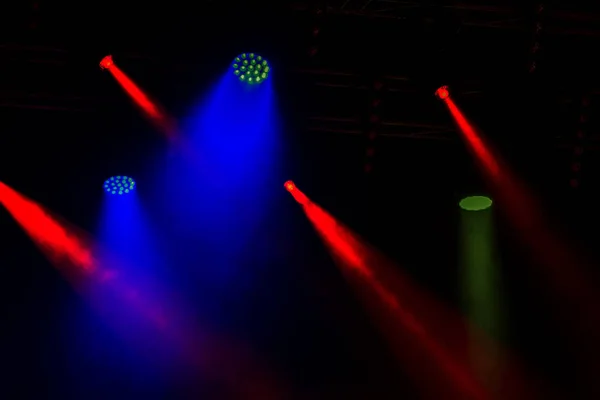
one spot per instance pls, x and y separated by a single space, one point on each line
119 185
106 62
475 203
442 93
251 68
289 186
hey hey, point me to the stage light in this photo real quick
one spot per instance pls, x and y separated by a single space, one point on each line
442 93
296 193
289 186
475 203
119 185
106 62
251 68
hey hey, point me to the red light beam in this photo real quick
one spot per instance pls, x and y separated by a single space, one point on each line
431 340
565 270
123 303
150 109
48 233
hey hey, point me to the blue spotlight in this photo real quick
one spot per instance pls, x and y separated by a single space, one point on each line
251 68
236 129
119 185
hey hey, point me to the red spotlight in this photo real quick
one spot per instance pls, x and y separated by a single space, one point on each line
106 62
296 193
289 186
442 93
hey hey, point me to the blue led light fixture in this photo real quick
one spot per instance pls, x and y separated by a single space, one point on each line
119 185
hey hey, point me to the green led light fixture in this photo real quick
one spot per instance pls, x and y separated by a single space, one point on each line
251 68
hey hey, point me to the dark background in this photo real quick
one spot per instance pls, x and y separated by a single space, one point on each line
67 126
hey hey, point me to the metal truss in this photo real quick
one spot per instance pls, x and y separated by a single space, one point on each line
406 128
503 17
558 21
52 100
392 129
48 101
397 128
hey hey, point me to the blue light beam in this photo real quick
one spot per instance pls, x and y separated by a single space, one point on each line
236 130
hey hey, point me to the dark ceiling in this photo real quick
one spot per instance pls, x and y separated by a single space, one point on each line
520 69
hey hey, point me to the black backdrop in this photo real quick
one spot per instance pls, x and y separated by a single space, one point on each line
319 336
